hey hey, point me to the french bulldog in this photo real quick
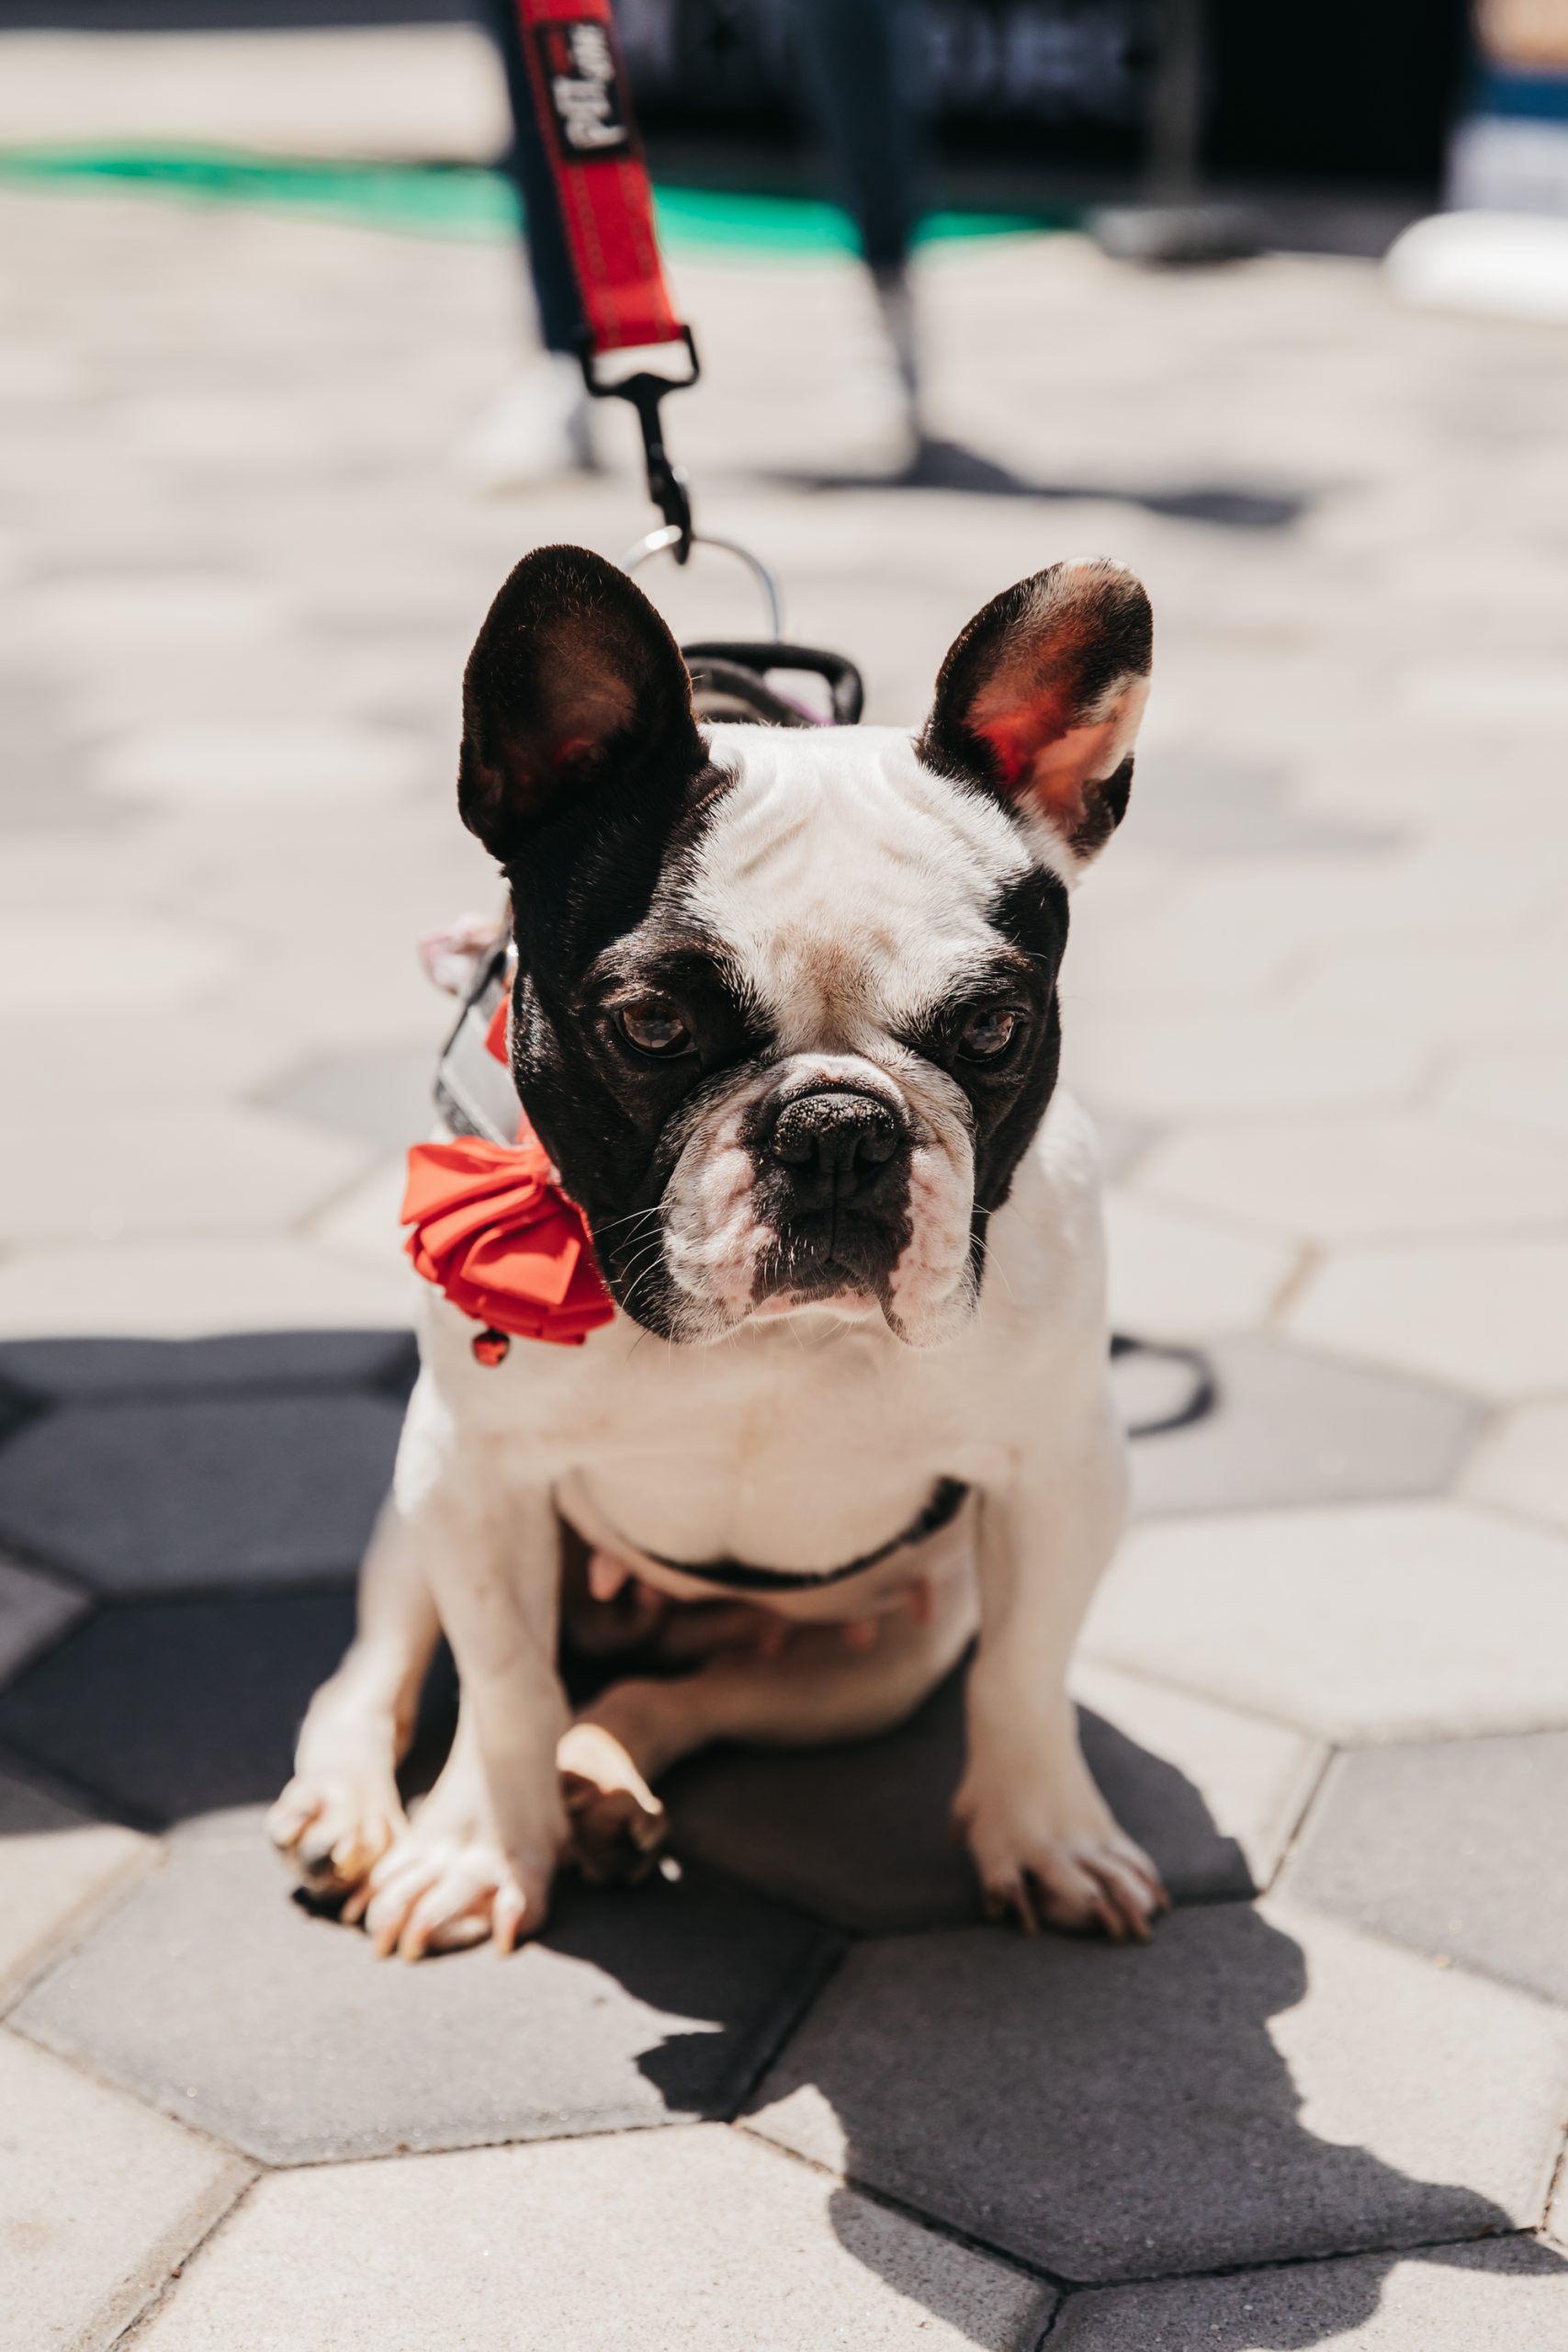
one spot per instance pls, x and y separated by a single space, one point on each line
785 1021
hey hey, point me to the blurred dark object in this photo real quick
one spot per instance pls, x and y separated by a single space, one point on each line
1032 102
1174 224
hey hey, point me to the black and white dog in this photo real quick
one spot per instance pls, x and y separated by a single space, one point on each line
785 1020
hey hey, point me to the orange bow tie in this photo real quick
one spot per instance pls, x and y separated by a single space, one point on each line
494 1231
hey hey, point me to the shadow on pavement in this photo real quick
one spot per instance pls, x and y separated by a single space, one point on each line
1096 2115
949 465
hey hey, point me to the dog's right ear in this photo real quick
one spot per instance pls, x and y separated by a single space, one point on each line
574 685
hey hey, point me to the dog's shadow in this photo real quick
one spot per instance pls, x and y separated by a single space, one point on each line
1099 2114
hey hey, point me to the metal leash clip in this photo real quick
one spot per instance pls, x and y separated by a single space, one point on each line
666 480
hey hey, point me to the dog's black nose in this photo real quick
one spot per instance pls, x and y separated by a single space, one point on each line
840 1135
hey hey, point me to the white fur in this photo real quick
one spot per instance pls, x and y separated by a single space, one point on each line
852 886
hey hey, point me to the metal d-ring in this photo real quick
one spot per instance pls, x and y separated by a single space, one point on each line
669 536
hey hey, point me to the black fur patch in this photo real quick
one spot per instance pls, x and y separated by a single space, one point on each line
1006 1101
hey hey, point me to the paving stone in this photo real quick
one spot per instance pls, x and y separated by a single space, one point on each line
1523 1080
1175 1276
176 1168
364 1224
1204 1062
715 2236
643 2004
1294 1428
1254 2086
56 1863
215 765
1489 1316
1507 2298
154 962
183 1493
160 1710
1367 1622
860 1834
71 1371
1362 1178
183 1289
99 2201
382 1098
1522 1464
1448 1848
33 1611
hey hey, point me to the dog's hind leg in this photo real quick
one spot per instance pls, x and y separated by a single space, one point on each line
819 1687
342 1809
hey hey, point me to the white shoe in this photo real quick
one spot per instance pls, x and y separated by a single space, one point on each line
539 427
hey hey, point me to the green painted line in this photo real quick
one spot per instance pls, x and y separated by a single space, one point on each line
458 200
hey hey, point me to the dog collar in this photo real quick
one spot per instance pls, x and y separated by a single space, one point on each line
947 1499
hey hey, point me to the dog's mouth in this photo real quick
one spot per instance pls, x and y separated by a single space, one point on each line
842 1265
845 1299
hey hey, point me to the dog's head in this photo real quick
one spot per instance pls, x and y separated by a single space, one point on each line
786 1002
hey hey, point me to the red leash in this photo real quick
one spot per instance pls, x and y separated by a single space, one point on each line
582 103
579 81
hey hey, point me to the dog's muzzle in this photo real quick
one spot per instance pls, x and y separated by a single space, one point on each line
835 1166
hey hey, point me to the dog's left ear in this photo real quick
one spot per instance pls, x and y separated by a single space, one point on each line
574 689
1041 696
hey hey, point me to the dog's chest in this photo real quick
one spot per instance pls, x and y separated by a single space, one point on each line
786 1453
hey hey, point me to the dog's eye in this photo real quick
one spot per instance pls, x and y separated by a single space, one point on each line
652 1025
987 1032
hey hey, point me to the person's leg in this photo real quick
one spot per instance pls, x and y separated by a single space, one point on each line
541 424
859 61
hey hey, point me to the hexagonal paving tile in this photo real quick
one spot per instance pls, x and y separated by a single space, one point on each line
1489 1316
744 2245
1366 1179
178 1495
1372 1622
1451 1849
194 1286
1177 1276
1450 2298
860 1834
213 1993
173 1170
166 1709
57 1864
34 1611
98 2201
1293 1427
1523 1463
74 1370
382 1097
1253 2086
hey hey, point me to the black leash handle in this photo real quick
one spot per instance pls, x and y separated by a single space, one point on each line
666 480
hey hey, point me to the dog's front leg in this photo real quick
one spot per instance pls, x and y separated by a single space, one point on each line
1043 1837
478 1857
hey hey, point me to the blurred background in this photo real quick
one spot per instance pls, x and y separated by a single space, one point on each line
276 424
1271 303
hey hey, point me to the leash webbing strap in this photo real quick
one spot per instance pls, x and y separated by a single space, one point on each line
583 107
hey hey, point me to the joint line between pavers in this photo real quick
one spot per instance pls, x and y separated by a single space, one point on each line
139 2320
935 2223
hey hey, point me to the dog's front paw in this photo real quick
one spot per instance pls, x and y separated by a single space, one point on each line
447 1882
617 1823
1058 1860
335 1827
